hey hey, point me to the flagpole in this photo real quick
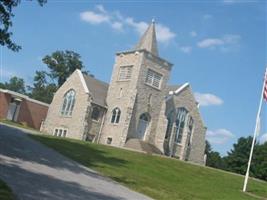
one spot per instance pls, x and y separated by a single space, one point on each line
255 135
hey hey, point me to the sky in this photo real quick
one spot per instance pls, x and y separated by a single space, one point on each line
219 47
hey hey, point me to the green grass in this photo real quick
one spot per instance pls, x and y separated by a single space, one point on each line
5 192
155 176
17 124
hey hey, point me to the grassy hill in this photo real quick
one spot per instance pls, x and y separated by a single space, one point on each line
155 176
5 192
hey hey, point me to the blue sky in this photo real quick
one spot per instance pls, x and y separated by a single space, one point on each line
217 46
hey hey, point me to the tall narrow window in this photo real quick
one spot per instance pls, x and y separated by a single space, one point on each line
116 114
125 73
190 124
68 103
153 78
180 124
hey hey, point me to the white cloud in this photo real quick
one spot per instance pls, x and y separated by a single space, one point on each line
94 18
263 138
219 136
186 49
101 8
117 26
139 27
226 42
193 33
206 99
164 34
207 17
210 42
229 2
118 22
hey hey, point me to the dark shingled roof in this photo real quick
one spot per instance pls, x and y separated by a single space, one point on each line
98 89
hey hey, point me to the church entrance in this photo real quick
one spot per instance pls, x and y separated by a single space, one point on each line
13 109
143 125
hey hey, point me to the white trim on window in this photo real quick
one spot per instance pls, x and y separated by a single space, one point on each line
153 78
60 132
125 73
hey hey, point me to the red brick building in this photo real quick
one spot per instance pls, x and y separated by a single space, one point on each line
20 108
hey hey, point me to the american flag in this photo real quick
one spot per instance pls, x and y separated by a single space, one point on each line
265 87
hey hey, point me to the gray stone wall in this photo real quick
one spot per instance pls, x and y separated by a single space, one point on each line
149 99
196 152
76 123
125 101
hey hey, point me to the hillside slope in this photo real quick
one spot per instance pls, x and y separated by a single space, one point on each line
157 177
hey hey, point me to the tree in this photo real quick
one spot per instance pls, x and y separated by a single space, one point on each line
62 64
237 158
6 13
213 158
42 90
16 84
2 86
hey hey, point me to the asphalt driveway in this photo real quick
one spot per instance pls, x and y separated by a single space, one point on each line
36 172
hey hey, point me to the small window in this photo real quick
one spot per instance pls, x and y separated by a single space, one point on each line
116 114
109 140
125 73
120 93
95 114
153 78
55 132
64 133
60 132
68 103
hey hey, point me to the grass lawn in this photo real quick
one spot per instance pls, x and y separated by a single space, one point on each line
157 177
5 192
17 124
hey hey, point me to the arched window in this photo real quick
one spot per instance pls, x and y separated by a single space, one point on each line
68 103
116 114
190 124
169 125
180 124
95 113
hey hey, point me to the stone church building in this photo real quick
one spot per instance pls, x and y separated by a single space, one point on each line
136 110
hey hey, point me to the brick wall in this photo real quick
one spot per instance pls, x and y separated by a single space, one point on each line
4 102
32 113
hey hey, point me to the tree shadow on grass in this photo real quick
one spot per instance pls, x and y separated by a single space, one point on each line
15 144
33 186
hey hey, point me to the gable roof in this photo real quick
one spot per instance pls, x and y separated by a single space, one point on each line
149 41
98 89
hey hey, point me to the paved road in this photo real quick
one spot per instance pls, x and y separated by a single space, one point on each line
35 172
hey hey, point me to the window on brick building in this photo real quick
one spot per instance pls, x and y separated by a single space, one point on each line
68 103
125 73
153 78
116 114
180 124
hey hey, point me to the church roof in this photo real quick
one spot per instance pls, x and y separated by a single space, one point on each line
171 88
98 89
148 41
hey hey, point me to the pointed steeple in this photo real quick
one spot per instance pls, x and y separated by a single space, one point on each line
149 41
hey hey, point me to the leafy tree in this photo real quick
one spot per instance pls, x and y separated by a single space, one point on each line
259 170
237 158
6 10
62 64
2 86
213 158
42 90
16 84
